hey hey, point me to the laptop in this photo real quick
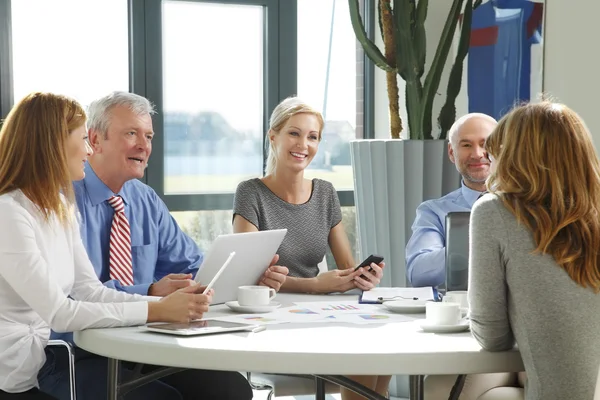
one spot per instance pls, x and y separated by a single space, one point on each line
457 250
253 254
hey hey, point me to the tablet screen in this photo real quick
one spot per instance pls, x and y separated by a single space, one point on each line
200 325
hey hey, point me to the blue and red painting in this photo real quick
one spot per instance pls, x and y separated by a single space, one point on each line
504 37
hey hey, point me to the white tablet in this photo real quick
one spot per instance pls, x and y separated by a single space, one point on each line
202 327
253 254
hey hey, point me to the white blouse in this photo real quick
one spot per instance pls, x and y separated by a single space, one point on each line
41 264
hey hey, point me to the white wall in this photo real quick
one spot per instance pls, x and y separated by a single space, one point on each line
572 58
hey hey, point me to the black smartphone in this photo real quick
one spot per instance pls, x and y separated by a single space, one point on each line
371 259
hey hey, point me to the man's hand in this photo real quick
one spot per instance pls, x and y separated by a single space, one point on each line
274 276
170 284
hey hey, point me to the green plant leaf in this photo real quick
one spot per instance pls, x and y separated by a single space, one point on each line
420 36
432 81
371 50
379 17
406 60
448 112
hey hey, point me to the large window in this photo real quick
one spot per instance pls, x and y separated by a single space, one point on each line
328 66
205 226
215 69
212 96
67 47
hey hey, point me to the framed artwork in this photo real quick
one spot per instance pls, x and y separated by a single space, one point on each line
505 63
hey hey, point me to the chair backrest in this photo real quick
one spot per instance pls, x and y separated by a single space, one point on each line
457 250
323 265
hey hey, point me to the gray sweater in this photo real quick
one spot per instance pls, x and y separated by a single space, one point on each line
517 295
308 224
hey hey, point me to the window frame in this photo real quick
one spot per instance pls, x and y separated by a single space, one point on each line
145 78
6 72
280 81
273 83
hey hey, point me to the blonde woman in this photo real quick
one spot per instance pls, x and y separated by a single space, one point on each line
534 268
46 279
309 209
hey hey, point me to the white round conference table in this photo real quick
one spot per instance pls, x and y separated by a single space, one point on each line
319 349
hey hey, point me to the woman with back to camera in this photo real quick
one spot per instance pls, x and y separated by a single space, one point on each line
308 209
534 272
43 147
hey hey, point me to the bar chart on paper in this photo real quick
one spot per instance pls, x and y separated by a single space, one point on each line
340 307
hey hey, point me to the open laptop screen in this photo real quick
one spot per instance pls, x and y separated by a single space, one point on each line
457 250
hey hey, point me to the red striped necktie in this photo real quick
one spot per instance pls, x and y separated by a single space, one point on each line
120 263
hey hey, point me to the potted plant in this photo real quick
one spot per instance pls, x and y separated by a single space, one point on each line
392 177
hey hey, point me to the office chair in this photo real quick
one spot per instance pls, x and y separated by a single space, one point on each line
69 349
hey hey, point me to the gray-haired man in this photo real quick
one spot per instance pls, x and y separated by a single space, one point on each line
161 258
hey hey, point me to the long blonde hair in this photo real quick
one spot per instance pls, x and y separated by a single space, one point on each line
281 114
548 176
33 154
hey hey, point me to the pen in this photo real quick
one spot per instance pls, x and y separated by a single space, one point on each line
219 272
382 299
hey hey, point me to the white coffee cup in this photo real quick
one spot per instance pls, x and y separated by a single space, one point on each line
442 313
458 296
255 295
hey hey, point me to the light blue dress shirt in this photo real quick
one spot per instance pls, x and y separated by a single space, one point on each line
426 249
158 246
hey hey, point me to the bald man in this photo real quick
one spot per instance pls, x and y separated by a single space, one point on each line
426 249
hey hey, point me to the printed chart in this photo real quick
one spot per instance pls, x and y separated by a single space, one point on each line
340 307
323 312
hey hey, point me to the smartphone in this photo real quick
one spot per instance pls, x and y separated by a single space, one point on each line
371 259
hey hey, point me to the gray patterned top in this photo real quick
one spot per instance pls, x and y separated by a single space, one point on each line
308 224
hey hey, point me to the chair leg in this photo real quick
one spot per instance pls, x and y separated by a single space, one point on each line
260 386
71 357
72 373
319 389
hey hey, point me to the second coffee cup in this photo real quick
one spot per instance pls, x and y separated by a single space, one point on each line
255 295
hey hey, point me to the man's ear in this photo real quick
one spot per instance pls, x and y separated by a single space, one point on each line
451 153
95 138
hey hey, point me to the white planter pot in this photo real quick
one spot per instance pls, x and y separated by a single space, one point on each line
391 178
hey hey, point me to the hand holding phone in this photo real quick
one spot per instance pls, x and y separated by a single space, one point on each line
368 261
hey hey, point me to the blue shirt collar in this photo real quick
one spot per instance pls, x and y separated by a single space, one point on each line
469 194
97 190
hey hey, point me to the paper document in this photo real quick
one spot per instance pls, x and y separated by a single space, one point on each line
330 307
381 294
322 312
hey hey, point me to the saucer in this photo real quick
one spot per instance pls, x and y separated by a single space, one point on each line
235 306
432 328
406 306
